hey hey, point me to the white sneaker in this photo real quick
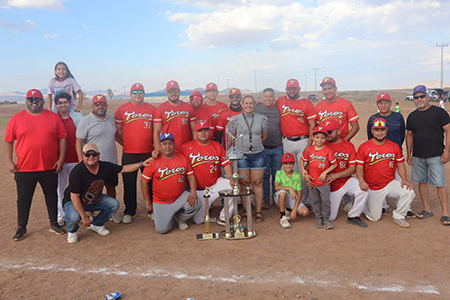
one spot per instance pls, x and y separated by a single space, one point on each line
151 215
115 218
99 229
401 222
127 219
284 222
72 237
348 207
181 225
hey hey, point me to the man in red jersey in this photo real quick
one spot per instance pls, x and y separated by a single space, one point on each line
169 172
134 122
235 108
174 116
201 114
298 120
376 162
336 107
340 179
207 157
213 106
41 143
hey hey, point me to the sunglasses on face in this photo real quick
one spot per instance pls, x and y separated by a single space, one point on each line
32 99
93 154
235 97
137 92
100 104
421 97
197 98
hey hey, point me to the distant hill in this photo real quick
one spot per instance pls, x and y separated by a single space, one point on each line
429 83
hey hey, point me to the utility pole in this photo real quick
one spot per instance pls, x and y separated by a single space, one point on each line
228 81
305 81
315 79
442 61
218 80
255 82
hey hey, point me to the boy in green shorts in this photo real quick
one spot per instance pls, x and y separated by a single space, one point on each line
288 186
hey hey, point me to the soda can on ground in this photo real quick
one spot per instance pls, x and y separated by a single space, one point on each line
113 296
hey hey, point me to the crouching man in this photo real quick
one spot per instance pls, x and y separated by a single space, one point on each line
85 192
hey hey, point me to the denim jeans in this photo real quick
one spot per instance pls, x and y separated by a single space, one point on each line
106 205
273 164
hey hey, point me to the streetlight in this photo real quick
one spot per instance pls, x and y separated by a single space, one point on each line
442 61
305 81
315 79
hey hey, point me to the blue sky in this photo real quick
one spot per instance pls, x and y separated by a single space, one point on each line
111 44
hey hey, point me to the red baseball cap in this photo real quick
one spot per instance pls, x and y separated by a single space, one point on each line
331 124
321 130
292 83
98 98
328 80
172 85
234 91
34 93
137 87
288 158
384 96
202 124
379 123
211 86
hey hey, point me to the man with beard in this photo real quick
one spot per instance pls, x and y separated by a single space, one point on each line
174 116
40 148
99 127
376 162
212 106
235 108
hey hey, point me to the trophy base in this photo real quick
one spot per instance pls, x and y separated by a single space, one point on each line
207 236
239 235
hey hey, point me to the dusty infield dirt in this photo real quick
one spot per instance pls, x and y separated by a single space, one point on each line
382 261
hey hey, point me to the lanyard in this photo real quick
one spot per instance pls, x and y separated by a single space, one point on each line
250 129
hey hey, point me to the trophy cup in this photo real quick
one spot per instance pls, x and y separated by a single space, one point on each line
238 230
207 235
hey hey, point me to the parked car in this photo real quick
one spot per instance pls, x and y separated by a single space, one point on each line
446 96
312 97
434 96
409 98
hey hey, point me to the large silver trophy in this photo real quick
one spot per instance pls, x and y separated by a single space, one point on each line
238 229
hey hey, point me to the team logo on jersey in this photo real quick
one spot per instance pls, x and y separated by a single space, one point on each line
174 114
314 157
341 155
378 157
198 159
133 116
289 111
166 172
329 115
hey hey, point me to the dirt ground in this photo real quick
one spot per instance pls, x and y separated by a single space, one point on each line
382 261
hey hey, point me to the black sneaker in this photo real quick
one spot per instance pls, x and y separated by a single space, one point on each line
410 214
356 221
383 211
20 234
54 227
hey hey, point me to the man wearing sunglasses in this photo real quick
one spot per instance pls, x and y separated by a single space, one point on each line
41 143
427 127
85 192
134 122
235 97
99 128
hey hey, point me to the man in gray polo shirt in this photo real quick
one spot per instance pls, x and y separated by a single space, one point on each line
99 127
273 146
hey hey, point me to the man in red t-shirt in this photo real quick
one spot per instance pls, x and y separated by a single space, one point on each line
207 157
336 107
62 103
298 120
213 106
376 162
235 108
41 143
340 179
134 123
169 172
201 114
174 116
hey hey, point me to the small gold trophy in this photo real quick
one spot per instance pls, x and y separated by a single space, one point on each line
207 235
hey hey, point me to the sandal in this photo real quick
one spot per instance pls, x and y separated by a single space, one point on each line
445 220
424 214
259 217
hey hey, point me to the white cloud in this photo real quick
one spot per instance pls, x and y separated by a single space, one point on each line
78 37
52 5
52 36
85 26
18 28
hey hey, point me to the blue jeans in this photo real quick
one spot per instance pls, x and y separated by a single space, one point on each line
106 205
273 164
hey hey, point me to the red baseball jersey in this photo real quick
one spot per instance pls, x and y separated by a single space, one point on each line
319 161
71 153
206 160
215 110
202 115
137 126
345 155
295 116
225 117
176 119
169 177
340 109
379 162
37 136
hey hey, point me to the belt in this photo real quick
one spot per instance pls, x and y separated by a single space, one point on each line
271 147
296 138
